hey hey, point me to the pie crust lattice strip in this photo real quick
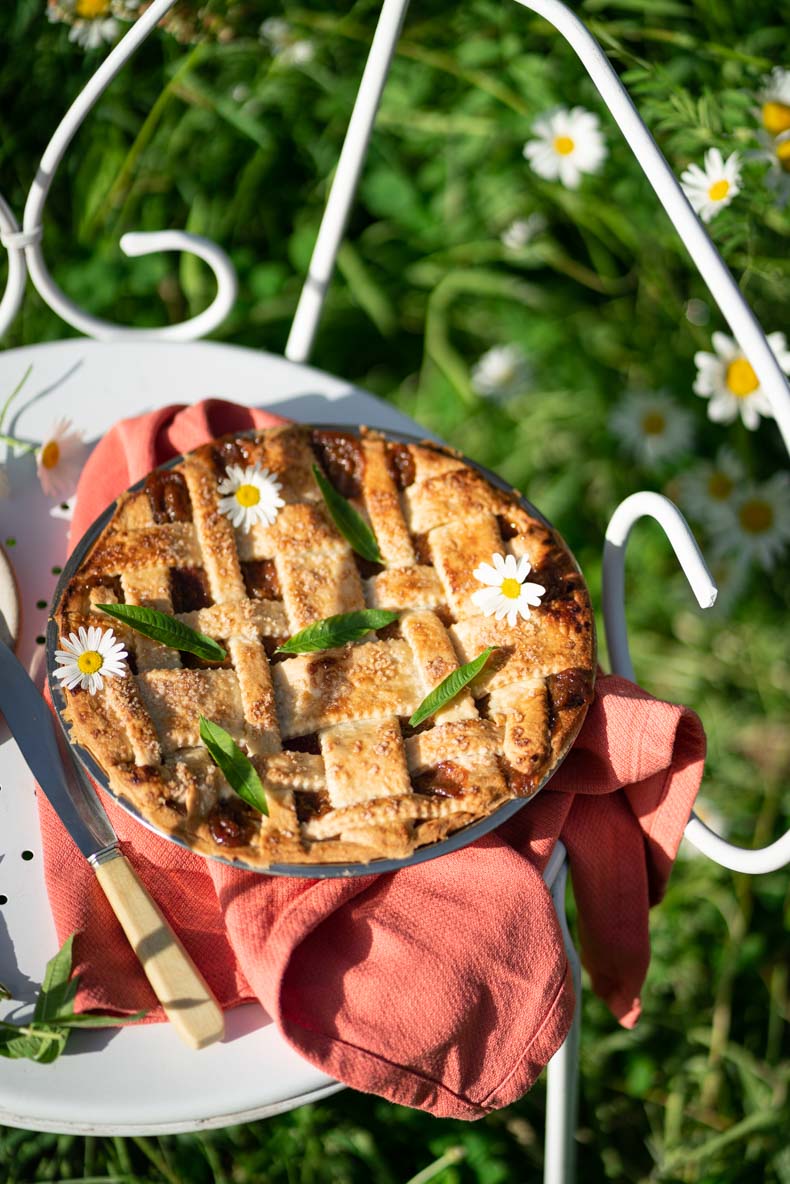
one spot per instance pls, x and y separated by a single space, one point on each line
346 778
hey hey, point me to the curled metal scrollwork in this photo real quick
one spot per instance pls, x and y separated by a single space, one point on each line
25 250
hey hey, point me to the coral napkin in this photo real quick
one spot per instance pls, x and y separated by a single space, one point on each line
444 986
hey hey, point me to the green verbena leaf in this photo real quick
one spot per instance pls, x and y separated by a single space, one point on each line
43 1046
86 1020
449 687
237 768
165 629
335 631
58 988
351 525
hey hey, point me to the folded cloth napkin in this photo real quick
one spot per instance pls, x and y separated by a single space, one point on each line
443 986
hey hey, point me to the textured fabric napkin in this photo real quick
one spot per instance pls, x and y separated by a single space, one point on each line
444 986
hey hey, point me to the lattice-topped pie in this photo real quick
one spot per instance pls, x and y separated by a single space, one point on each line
346 778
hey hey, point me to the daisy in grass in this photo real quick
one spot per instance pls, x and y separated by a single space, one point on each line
652 427
250 495
776 152
758 527
713 187
568 144
707 491
88 657
60 458
283 44
775 102
726 379
503 371
521 232
93 22
506 592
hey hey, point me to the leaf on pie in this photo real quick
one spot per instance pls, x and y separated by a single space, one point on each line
165 629
451 686
351 524
236 766
335 631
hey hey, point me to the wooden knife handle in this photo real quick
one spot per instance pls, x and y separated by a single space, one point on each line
178 984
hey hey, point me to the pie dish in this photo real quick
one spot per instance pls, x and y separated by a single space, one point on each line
347 779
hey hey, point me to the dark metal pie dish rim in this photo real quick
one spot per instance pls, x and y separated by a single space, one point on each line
459 839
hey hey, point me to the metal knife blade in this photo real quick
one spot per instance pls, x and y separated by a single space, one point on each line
53 767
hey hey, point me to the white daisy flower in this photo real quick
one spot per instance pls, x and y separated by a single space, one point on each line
92 22
707 491
652 427
88 657
775 102
250 495
284 44
521 231
713 187
501 372
730 384
758 527
60 458
506 594
568 144
775 151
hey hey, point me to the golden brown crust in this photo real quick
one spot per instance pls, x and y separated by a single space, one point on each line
346 779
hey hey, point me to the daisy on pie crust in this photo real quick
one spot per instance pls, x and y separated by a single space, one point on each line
506 594
250 495
88 657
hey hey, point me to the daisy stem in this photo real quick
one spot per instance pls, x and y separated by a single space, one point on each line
14 394
22 445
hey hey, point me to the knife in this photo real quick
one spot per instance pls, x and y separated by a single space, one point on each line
178 984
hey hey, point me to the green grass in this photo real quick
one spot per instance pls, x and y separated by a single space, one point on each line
597 301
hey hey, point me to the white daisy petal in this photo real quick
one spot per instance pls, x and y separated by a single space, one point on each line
486 574
523 569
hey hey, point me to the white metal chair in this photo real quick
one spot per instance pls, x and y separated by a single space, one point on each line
25 251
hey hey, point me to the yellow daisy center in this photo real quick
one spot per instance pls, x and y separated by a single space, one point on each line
783 155
776 118
741 378
510 588
248 495
720 486
654 423
719 190
563 145
90 661
50 454
756 516
91 9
